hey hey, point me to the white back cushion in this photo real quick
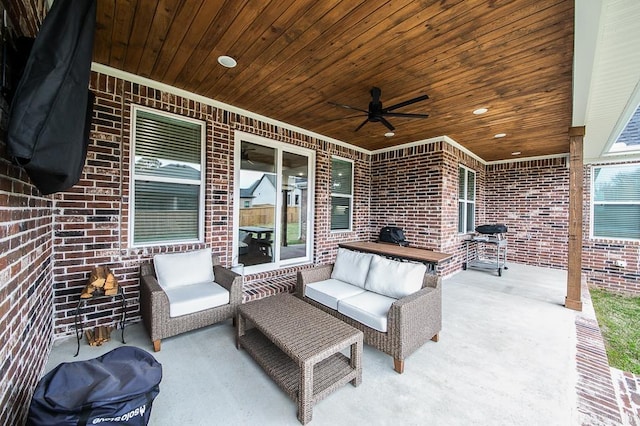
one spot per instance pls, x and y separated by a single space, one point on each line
351 267
394 279
178 269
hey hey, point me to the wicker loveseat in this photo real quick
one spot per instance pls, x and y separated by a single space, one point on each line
197 291
398 323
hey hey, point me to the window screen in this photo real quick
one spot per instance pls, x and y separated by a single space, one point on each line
167 178
616 202
466 200
341 194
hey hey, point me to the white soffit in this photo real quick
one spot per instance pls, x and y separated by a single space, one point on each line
615 77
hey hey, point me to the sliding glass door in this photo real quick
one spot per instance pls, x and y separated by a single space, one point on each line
273 204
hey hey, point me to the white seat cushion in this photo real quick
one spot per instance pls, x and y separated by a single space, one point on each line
197 297
368 308
351 267
178 269
394 279
328 292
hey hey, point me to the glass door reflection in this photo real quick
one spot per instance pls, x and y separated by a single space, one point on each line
293 218
258 200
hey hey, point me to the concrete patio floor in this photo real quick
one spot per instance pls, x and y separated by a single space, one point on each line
506 356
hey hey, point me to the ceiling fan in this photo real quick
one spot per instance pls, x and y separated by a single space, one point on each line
377 114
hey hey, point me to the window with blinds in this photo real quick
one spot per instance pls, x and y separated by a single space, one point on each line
167 178
341 194
466 200
615 194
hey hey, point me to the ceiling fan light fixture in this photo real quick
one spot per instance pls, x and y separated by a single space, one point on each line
480 111
227 61
500 135
389 134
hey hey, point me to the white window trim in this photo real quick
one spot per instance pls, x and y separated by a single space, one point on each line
349 196
271 143
132 176
475 187
592 204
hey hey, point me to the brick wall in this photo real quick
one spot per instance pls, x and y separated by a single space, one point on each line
416 188
599 255
25 276
91 219
532 199
326 241
452 242
25 287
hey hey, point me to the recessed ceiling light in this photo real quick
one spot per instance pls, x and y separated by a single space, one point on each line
500 135
480 111
516 153
227 61
389 134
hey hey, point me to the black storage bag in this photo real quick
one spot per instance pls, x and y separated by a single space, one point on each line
116 388
393 234
491 229
49 121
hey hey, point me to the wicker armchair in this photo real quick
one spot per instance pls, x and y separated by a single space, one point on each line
154 304
411 321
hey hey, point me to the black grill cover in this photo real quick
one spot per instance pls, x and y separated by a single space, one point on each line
393 234
116 388
491 229
49 120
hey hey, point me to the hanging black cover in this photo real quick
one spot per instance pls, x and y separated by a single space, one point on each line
116 388
50 113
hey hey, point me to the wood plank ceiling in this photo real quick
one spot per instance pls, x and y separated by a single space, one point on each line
296 56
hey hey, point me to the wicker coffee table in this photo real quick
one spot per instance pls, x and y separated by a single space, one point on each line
299 347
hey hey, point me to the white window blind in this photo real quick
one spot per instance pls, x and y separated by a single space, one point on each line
616 202
341 194
167 178
466 200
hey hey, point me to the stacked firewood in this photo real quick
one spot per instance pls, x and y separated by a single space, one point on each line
98 335
101 281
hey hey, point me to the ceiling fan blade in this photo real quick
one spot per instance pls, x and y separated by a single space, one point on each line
363 123
386 123
405 115
349 107
347 117
405 103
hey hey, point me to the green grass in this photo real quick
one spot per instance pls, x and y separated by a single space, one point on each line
619 320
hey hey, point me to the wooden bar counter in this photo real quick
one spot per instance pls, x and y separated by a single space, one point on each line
428 257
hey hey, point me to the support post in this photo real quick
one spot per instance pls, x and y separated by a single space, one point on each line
576 186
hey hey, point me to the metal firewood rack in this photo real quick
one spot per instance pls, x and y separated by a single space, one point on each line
479 256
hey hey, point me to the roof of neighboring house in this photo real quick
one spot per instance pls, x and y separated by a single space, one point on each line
248 192
270 178
631 133
180 170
